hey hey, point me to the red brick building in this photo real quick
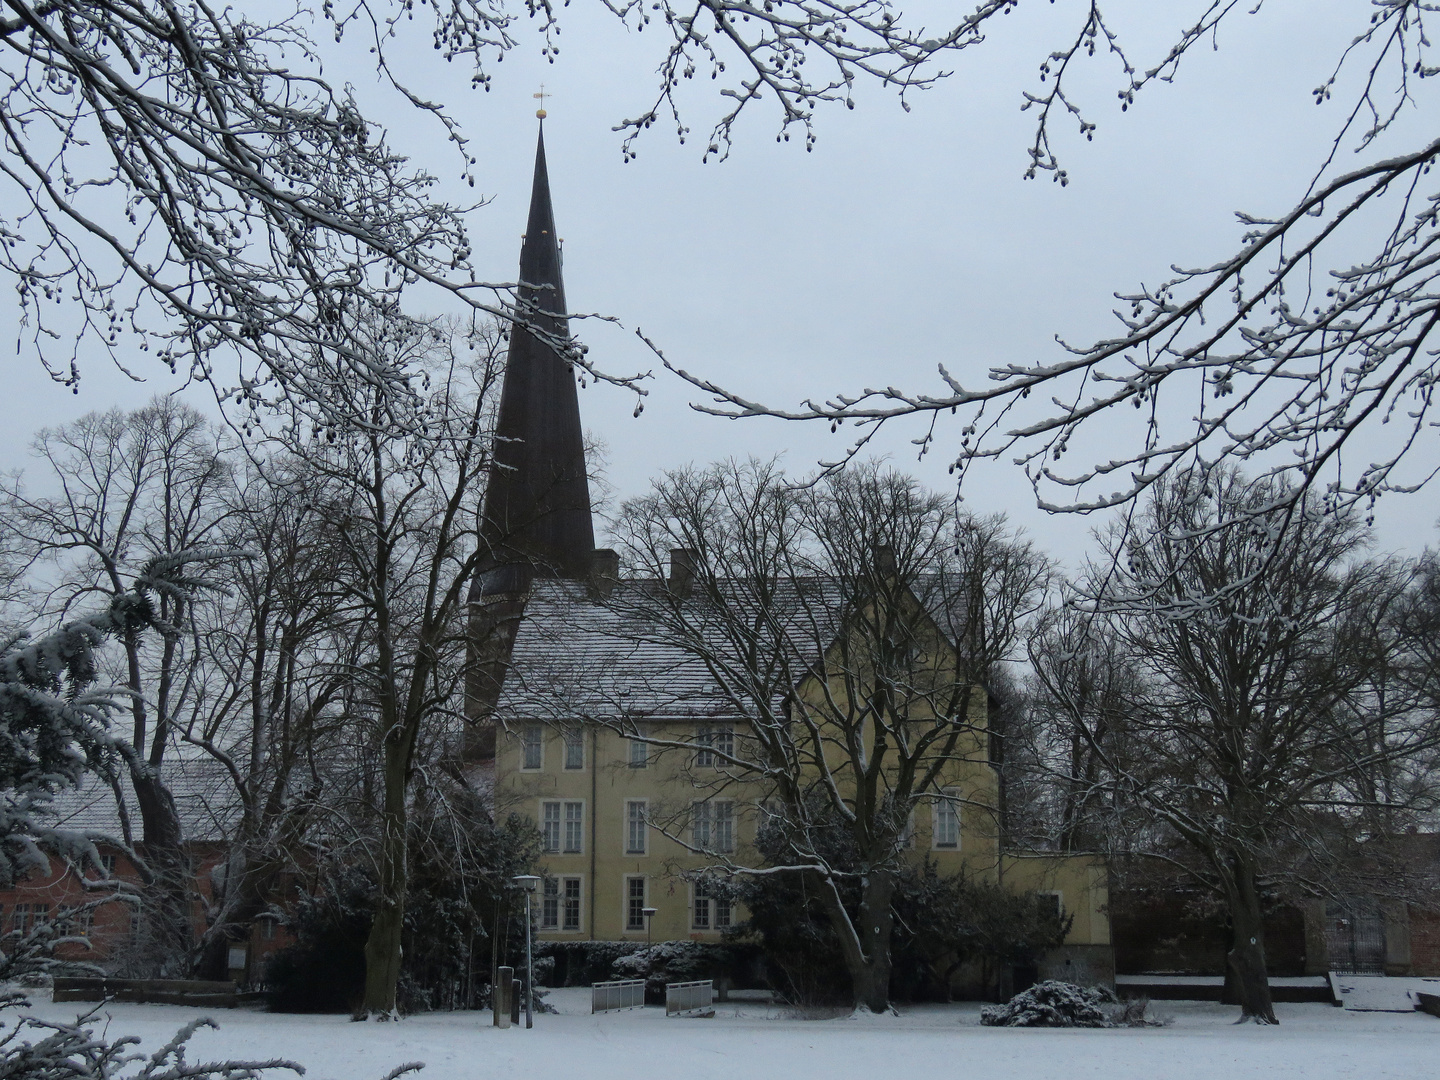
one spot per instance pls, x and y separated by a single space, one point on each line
114 926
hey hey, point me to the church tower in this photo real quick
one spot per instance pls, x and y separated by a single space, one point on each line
536 520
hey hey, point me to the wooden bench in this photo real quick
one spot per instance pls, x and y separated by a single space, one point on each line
219 995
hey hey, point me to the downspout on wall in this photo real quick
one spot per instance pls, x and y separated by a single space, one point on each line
594 820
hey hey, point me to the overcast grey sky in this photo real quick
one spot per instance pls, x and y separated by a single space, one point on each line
903 241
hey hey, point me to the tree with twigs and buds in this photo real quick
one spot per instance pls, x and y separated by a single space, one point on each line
1317 332
1247 712
832 640
182 180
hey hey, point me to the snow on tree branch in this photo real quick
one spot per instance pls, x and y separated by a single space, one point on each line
1277 355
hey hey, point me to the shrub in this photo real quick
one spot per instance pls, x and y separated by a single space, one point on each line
1062 1004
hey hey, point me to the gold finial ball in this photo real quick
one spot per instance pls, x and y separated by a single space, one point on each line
540 114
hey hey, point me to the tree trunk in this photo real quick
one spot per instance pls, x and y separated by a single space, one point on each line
866 941
1247 974
171 885
383 947
246 894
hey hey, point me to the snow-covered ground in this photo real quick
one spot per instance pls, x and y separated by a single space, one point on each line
758 1042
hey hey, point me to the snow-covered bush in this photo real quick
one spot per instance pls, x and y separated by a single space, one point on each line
674 961
580 963
1055 1004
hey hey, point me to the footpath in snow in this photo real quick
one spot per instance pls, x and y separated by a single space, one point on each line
758 1042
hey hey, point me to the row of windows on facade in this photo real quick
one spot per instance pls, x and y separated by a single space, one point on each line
714 744
30 916
560 904
712 825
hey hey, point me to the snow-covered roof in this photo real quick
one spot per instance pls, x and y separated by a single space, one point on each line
204 799
575 657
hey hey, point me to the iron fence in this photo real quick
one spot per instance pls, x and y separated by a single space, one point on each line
687 997
623 994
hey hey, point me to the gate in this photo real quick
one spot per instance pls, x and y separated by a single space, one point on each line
623 994
687 998
1355 936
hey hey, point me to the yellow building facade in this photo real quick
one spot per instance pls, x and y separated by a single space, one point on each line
632 826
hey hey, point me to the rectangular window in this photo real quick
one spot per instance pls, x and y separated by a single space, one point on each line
574 826
722 833
715 741
78 924
107 863
532 746
635 903
550 825
550 905
39 914
700 918
20 921
1052 903
946 826
574 750
639 754
700 825
572 904
713 825
710 911
635 827
722 913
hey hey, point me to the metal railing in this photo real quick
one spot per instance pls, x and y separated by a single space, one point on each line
687 997
624 994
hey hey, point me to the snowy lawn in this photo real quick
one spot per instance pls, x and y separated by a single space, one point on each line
756 1042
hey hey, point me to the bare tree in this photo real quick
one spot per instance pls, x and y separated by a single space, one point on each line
133 487
1320 325
278 654
1085 686
400 513
183 175
847 629
1259 735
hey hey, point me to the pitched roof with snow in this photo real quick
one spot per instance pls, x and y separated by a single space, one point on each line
575 657
204 799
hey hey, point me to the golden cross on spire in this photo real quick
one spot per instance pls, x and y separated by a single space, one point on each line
542 95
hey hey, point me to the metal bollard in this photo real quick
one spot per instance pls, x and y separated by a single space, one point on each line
500 994
515 987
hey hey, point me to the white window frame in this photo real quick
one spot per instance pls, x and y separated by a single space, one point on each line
946 804
574 744
722 826
627 899
639 754
551 846
700 825
709 913
550 904
713 740
643 823
712 825
574 835
532 734
565 900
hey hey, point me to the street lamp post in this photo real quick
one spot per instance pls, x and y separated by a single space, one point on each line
528 882
649 913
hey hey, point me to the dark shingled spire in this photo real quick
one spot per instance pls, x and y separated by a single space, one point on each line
536 521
